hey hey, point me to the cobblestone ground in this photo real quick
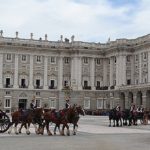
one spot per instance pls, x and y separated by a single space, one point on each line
93 134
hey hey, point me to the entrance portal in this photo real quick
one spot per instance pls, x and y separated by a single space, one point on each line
22 103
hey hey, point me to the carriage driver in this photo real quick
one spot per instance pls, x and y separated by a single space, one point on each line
67 105
33 103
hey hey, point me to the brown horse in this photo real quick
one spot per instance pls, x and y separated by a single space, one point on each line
51 117
72 117
26 118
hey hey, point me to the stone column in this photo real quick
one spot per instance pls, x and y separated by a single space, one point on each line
111 71
134 97
92 73
60 73
144 99
132 70
126 101
1 70
45 72
123 71
149 67
117 70
31 73
79 73
105 80
74 72
16 72
140 68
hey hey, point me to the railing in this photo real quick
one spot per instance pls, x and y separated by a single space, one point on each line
52 87
38 87
8 86
23 86
86 87
112 87
102 88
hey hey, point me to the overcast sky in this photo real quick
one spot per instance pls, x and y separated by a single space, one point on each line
88 20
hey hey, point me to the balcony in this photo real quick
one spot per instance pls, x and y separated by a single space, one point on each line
102 88
112 87
52 87
23 86
8 86
38 87
86 87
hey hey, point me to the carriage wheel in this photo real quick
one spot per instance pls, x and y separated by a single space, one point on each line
4 123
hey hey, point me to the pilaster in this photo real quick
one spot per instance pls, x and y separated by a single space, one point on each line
45 72
16 72
60 73
1 70
111 71
31 73
92 73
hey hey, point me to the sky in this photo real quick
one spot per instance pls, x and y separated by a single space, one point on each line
88 20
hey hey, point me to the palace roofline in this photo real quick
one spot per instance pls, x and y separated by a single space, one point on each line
72 44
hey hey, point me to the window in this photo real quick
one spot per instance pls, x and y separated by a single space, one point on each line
85 83
53 60
85 60
38 58
98 61
23 57
114 82
38 102
136 57
7 103
87 103
145 55
66 60
7 82
65 83
128 81
98 83
115 59
99 103
136 81
23 83
38 93
145 80
7 92
9 57
52 84
53 102
128 58
37 83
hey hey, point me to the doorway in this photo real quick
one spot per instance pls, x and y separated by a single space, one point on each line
22 104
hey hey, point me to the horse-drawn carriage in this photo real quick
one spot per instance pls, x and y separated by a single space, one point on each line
4 122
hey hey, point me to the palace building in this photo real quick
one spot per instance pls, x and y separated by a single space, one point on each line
93 75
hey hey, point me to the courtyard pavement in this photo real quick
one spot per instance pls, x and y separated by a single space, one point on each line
93 134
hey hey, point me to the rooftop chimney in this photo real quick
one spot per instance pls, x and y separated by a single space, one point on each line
31 35
72 38
16 34
61 38
45 37
1 33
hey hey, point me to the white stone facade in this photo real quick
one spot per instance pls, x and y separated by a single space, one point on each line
94 75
